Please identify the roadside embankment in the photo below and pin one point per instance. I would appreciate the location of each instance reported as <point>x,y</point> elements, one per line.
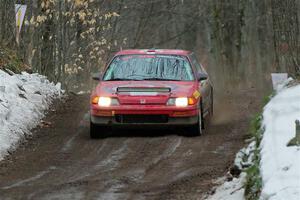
<point>23,100</point>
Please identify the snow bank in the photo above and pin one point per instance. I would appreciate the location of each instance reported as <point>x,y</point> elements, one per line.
<point>234,189</point>
<point>280,165</point>
<point>23,100</point>
<point>245,157</point>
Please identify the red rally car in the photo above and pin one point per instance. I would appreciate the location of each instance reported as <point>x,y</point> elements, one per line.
<point>151,88</point>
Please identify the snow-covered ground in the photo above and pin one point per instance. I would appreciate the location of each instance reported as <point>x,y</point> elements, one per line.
<point>280,164</point>
<point>23,100</point>
<point>234,189</point>
<point>231,190</point>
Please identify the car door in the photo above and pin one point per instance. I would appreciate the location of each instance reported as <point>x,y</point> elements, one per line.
<point>204,85</point>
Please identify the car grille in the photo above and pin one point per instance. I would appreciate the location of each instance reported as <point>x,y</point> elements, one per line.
<point>141,119</point>
<point>141,89</point>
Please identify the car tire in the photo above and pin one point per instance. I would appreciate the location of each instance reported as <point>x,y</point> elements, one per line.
<point>97,132</point>
<point>94,131</point>
<point>196,129</point>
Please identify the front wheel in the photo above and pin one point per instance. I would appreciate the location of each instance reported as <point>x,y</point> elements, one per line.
<point>196,129</point>
<point>97,132</point>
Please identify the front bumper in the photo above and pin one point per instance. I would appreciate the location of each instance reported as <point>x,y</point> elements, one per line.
<point>145,115</point>
<point>172,121</point>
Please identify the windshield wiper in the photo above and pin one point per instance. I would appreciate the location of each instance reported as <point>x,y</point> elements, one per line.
<point>123,79</point>
<point>160,79</point>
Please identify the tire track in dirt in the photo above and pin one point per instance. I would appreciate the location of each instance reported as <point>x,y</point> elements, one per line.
<point>132,164</point>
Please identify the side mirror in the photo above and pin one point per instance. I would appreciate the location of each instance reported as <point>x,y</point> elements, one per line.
<point>96,76</point>
<point>202,76</point>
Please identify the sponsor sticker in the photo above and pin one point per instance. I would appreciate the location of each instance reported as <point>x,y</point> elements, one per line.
<point>196,94</point>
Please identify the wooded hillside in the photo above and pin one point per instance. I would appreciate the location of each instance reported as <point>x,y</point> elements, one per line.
<point>239,41</point>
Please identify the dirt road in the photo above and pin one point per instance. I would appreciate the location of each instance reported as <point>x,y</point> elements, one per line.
<point>62,162</point>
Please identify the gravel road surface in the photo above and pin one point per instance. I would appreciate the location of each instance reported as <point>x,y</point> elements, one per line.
<point>60,161</point>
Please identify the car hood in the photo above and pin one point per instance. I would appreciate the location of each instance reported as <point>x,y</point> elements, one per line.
<point>173,88</point>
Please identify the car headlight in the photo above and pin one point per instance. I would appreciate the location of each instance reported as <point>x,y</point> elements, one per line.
<point>181,101</point>
<point>105,101</point>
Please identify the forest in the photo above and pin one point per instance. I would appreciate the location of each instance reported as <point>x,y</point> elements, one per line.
<point>240,42</point>
<point>230,133</point>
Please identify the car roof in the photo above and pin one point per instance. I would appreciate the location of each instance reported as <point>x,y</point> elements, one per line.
<point>154,51</point>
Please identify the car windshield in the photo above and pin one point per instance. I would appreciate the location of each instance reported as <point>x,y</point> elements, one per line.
<point>149,67</point>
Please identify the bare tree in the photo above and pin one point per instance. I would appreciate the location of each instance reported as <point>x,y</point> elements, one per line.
<point>286,35</point>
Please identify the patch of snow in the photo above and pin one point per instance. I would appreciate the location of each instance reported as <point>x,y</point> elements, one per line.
<point>23,100</point>
<point>113,191</point>
<point>244,158</point>
<point>168,152</point>
<point>26,181</point>
<point>231,190</point>
<point>234,189</point>
<point>283,85</point>
<point>83,92</point>
<point>113,158</point>
<point>280,165</point>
